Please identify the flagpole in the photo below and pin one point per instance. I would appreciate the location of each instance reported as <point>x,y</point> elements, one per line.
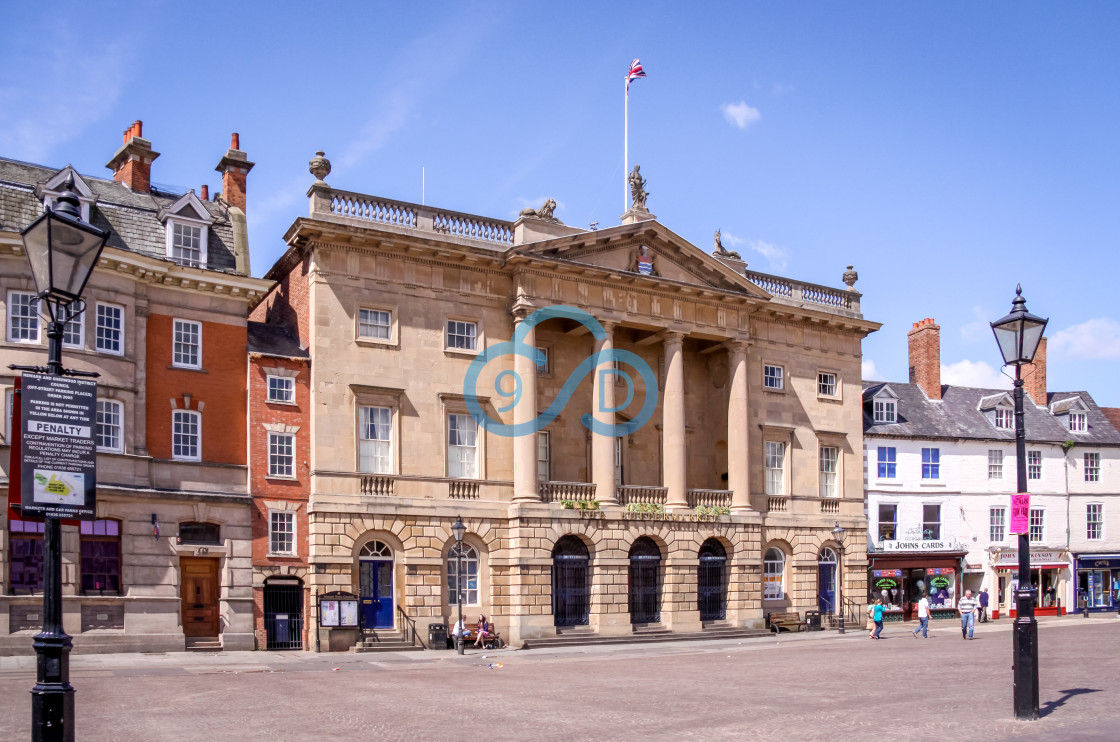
<point>626,148</point>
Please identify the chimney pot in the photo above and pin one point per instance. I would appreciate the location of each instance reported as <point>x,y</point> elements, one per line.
<point>235,141</point>
<point>132,164</point>
<point>138,125</point>
<point>925,357</point>
<point>205,192</point>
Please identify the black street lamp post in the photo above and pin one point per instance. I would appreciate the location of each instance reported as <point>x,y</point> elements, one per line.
<point>838,534</point>
<point>62,250</point>
<point>459,530</point>
<point>1019,335</point>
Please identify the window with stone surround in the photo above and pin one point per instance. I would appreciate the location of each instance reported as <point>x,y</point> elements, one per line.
<point>110,426</point>
<point>186,349</point>
<point>186,435</point>
<point>110,329</point>
<point>544,456</point>
<point>461,335</point>
<point>281,389</point>
<point>23,317</point>
<point>377,325</point>
<point>74,332</point>
<point>281,455</point>
<point>773,575</point>
<point>773,377</point>
<point>25,545</point>
<point>281,532</point>
<point>467,582</point>
<point>375,453</point>
<point>775,467</point>
<point>827,384</point>
<point>462,447</point>
<point>100,557</point>
<point>829,466</point>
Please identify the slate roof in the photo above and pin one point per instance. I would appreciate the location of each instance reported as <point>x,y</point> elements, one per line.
<point>274,340</point>
<point>129,217</point>
<point>957,416</point>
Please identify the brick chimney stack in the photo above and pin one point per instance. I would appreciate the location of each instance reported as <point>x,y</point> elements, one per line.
<point>1034,376</point>
<point>234,167</point>
<point>205,192</point>
<point>132,163</point>
<point>925,357</point>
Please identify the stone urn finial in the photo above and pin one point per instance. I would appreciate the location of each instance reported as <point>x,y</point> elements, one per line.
<point>850,278</point>
<point>319,166</point>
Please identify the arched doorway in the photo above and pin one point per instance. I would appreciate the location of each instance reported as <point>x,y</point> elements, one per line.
<point>283,613</point>
<point>571,582</point>
<point>711,581</point>
<point>826,582</point>
<point>375,586</point>
<point>645,581</point>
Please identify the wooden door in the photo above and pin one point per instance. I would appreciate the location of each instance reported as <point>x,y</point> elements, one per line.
<point>199,592</point>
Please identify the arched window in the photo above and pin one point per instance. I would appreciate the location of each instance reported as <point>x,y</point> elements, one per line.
<point>467,581</point>
<point>828,556</point>
<point>645,581</point>
<point>571,582</point>
<point>712,581</point>
<point>376,549</point>
<point>100,542</point>
<point>773,575</point>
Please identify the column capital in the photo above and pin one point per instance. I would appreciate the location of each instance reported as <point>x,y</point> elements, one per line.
<point>672,337</point>
<point>608,325</point>
<point>738,346</point>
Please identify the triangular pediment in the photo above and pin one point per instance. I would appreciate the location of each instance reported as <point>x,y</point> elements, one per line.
<point>54,184</point>
<point>187,207</point>
<point>648,250</point>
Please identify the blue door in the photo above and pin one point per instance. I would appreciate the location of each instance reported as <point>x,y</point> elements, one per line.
<point>826,588</point>
<point>376,594</point>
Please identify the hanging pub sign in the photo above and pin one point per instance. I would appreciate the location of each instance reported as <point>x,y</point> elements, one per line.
<point>58,453</point>
<point>1020,513</point>
<point>338,610</point>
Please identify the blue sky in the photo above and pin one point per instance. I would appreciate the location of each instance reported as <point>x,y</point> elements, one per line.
<point>948,150</point>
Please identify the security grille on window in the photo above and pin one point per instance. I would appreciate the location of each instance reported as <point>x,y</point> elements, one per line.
<point>1078,422</point>
<point>829,459</point>
<point>187,346</point>
<point>997,525</point>
<point>931,522</point>
<point>887,462</point>
<point>1094,521</point>
<point>109,419</point>
<point>462,447</point>
<point>462,335</point>
<point>931,463</point>
<point>773,575</point>
<point>110,329</point>
<point>885,410</point>
<point>281,532</point>
<point>826,384</point>
<point>467,582</point>
<point>376,324</point>
<point>1092,467</point>
<point>281,389</point>
<point>772,377</point>
<point>186,245</point>
<point>1037,524</point>
<point>543,457</point>
<point>888,522</point>
<point>1034,464</point>
<point>995,464</point>
<point>775,468</point>
<point>185,435</point>
<point>281,455</point>
<point>23,317</point>
<point>374,450</point>
<point>72,333</point>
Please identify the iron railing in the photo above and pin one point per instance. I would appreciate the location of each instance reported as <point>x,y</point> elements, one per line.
<point>408,629</point>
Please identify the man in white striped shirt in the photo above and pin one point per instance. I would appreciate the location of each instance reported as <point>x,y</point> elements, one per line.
<point>966,609</point>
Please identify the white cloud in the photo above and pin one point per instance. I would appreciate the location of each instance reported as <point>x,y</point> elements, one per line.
<point>870,373</point>
<point>782,88</point>
<point>979,329</point>
<point>777,256</point>
<point>977,374</point>
<point>740,114</point>
<point>1094,339</point>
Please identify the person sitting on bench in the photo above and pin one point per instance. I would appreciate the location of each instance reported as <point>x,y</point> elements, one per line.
<point>482,631</point>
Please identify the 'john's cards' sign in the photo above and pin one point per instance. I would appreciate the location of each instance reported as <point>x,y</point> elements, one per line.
<point>58,454</point>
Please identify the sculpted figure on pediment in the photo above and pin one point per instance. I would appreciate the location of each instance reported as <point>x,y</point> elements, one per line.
<point>723,252</point>
<point>644,261</point>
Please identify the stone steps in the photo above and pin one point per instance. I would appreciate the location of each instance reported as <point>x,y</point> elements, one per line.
<point>203,644</point>
<point>646,634</point>
<point>385,641</point>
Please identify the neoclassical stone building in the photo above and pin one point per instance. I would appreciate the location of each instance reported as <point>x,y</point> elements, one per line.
<point>737,394</point>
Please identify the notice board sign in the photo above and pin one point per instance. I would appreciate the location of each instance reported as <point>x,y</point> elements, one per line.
<point>1020,513</point>
<point>58,453</point>
<point>338,610</point>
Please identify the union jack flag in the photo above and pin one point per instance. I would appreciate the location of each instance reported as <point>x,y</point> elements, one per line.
<point>635,72</point>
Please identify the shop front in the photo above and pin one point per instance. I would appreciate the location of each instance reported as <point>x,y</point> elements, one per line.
<point>901,578</point>
<point>1049,577</point>
<point>1098,581</point>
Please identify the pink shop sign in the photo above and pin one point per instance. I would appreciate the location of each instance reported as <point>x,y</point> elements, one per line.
<point>1020,513</point>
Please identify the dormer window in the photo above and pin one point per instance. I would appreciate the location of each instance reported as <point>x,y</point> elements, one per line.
<point>1076,414</point>
<point>1078,422</point>
<point>886,410</point>
<point>48,192</point>
<point>188,227</point>
<point>1004,418</point>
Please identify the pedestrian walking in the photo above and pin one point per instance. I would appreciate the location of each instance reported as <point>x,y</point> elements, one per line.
<point>923,618</point>
<point>984,605</point>
<point>966,609</point>
<point>875,613</point>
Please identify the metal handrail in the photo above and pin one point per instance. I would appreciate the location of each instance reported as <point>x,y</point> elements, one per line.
<point>409,627</point>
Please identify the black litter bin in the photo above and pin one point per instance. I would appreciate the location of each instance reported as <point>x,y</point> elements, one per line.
<point>813,621</point>
<point>437,636</point>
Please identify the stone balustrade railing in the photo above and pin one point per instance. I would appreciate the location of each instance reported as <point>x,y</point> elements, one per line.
<point>557,491</point>
<point>377,485</point>
<point>800,292</point>
<point>463,489</point>
<point>633,493</point>
<point>708,498</point>
<point>831,505</point>
<point>777,504</point>
<point>384,211</point>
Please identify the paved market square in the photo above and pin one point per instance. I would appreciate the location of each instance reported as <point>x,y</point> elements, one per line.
<point>816,686</point>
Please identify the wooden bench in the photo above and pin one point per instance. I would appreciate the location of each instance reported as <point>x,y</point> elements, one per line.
<point>788,621</point>
<point>493,641</point>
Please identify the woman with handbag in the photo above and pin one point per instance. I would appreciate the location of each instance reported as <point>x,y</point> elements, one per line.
<point>875,619</point>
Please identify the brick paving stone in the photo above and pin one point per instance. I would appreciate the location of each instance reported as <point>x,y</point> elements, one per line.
<point>802,687</point>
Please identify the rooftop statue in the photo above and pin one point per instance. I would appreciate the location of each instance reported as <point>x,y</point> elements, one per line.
<point>723,252</point>
<point>638,191</point>
<point>544,212</point>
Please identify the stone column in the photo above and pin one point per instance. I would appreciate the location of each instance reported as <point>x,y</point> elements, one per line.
<point>675,463</point>
<point>738,431</point>
<point>602,407</point>
<point>525,485</point>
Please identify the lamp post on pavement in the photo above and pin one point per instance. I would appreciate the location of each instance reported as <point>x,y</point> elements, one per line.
<point>838,534</point>
<point>1019,335</point>
<point>459,530</point>
<point>62,250</point>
